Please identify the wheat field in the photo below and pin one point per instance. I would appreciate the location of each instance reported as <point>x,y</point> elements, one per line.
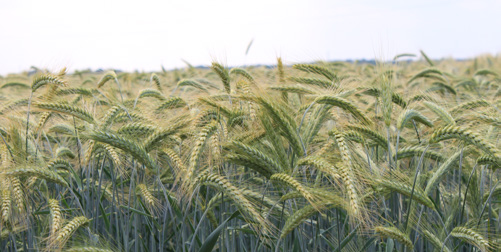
<point>331,156</point>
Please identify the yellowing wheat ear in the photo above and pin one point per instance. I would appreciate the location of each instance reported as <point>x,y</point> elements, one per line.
<point>347,175</point>
<point>17,192</point>
<point>6,206</point>
<point>56,216</point>
<point>67,231</point>
<point>148,198</point>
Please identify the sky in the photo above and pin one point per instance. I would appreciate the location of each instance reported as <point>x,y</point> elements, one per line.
<point>145,35</point>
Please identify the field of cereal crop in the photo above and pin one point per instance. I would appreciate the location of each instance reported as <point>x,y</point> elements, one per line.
<point>330,156</point>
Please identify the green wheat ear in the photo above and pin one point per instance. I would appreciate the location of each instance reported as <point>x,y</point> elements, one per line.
<point>398,56</point>
<point>281,78</point>
<point>395,98</point>
<point>386,97</point>
<point>293,89</point>
<point>441,112</point>
<point>454,132</point>
<point>312,81</point>
<point>111,75</point>
<point>417,151</point>
<point>192,83</point>
<point>299,216</point>
<point>485,72</point>
<point>45,79</point>
<point>223,73</point>
<point>345,105</point>
<point>426,58</point>
<point>430,73</point>
<point>394,233</point>
<point>154,78</point>
<point>441,86</point>
<point>411,114</point>
<point>470,105</point>
<point>15,84</point>
<point>67,109</point>
<point>243,73</point>
<point>148,92</point>
<point>136,150</point>
<point>316,70</point>
<point>471,236</point>
<point>171,103</point>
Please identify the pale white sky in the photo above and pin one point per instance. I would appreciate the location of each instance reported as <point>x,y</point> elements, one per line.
<point>146,34</point>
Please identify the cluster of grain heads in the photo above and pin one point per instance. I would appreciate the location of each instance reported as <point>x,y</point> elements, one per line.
<point>309,157</point>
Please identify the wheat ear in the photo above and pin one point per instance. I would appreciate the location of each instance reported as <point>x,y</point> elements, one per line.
<point>67,231</point>
<point>443,169</point>
<point>347,174</point>
<point>154,78</point>
<point>406,189</point>
<point>223,73</point>
<point>441,112</point>
<point>394,233</point>
<point>470,137</point>
<point>413,151</point>
<point>410,114</point>
<point>88,249</point>
<point>6,205</point>
<point>299,216</point>
<point>343,104</point>
<point>67,109</point>
<point>45,79</point>
<point>56,216</point>
<point>17,191</point>
<point>470,236</point>
<point>111,75</point>
<point>235,194</point>
<point>206,132</point>
<point>293,183</point>
<point>39,173</point>
<point>136,150</point>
